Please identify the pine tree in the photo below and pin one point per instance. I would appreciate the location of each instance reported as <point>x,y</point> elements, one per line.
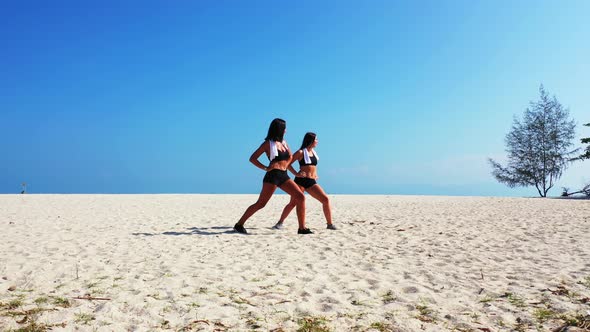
<point>538,146</point>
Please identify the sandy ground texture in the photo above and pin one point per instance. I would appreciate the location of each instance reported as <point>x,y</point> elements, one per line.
<point>396,263</point>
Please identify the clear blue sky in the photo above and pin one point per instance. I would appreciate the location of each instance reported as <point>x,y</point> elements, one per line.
<point>407,97</point>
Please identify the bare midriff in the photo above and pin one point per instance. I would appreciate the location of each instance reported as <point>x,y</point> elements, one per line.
<point>282,165</point>
<point>309,171</point>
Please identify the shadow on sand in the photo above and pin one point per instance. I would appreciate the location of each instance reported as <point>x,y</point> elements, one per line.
<point>194,231</point>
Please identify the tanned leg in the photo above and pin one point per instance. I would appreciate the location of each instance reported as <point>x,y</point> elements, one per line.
<point>289,207</point>
<point>267,190</point>
<point>291,188</point>
<point>318,193</point>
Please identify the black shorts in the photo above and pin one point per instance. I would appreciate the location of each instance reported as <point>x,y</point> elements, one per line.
<point>305,182</point>
<point>276,177</point>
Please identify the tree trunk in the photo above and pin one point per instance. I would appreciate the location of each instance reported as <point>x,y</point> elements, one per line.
<point>539,190</point>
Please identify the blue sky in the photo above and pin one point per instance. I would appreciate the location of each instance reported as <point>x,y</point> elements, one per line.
<point>407,97</point>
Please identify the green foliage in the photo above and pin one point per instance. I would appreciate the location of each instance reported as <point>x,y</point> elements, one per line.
<point>516,300</point>
<point>486,299</point>
<point>543,314</point>
<point>41,300</point>
<point>586,140</point>
<point>576,319</point>
<point>16,303</point>
<point>538,146</point>
<point>425,313</point>
<point>33,327</point>
<point>382,327</point>
<point>312,324</point>
<point>388,297</point>
<point>62,302</point>
<point>84,318</point>
<point>358,303</point>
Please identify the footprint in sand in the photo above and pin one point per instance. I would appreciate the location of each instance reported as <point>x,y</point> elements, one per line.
<point>374,284</point>
<point>330,300</point>
<point>334,278</point>
<point>326,307</point>
<point>318,291</point>
<point>410,290</point>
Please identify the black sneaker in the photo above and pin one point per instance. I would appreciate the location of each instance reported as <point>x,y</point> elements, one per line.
<point>332,227</point>
<point>240,229</point>
<point>304,231</point>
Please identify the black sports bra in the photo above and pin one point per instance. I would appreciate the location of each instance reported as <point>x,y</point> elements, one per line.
<point>281,156</point>
<point>313,159</point>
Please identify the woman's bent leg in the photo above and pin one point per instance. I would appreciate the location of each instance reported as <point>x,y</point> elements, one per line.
<point>291,188</point>
<point>289,207</point>
<point>318,193</point>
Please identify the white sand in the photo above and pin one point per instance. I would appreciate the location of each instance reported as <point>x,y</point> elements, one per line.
<point>173,262</point>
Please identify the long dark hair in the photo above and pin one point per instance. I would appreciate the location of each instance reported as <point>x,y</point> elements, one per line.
<point>308,140</point>
<point>276,130</point>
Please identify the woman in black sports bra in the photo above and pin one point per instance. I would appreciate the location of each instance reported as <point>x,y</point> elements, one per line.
<point>306,179</point>
<point>279,154</point>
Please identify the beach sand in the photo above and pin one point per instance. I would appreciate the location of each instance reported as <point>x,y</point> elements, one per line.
<point>397,263</point>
